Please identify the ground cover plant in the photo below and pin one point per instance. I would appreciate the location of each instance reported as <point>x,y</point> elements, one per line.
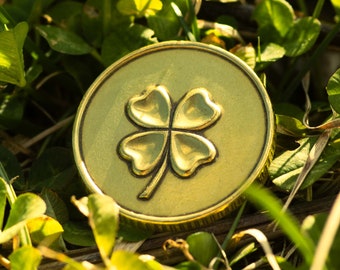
<point>51,51</point>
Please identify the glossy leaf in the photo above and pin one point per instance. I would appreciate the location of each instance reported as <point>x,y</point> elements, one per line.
<point>271,52</point>
<point>290,125</point>
<point>333,91</point>
<point>64,41</point>
<point>45,229</point>
<point>25,258</point>
<point>274,17</point>
<point>301,36</point>
<point>11,56</point>
<point>27,206</point>
<point>285,169</point>
<point>103,219</point>
<point>203,247</point>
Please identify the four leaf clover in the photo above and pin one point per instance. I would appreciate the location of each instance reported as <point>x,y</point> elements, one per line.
<point>170,135</point>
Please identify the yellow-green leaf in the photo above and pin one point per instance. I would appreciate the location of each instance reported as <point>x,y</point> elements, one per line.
<point>103,219</point>
<point>25,258</point>
<point>45,229</point>
<point>11,56</point>
<point>139,8</point>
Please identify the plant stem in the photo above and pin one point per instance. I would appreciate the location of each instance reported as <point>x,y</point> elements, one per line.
<point>106,16</point>
<point>150,188</point>
<point>230,233</point>
<point>180,17</point>
<point>318,8</point>
<point>11,196</point>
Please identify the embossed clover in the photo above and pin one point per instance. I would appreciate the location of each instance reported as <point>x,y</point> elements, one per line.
<point>170,135</point>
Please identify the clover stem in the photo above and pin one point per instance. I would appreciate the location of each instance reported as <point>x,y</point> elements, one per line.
<point>150,188</point>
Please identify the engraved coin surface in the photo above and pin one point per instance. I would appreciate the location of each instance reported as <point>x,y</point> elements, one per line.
<point>174,133</point>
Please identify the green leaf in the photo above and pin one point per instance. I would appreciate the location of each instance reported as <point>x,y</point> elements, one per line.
<point>125,40</point>
<point>302,36</point>
<point>12,110</point>
<point>189,266</point>
<point>67,14</point>
<point>79,234</point>
<point>25,258</point>
<point>285,169</point>
<point>83,69</point>
<point>103,219</point>
<point>165,23</point>
<point>271,52</point>
<point>290,125</point>
<point>45,229</point>
<point>54,169</point>
<point>133,234</point>
<point>139,8</point>
<point>12,167</point>
<point>27,206</point>
<point>124,260</point>
<point>203,247</point>
<point>64,41</point>
<point>336,5</point>
<point>94,21</point>
<point>333,91</point>
<point>11,56</point>
<point>56,207</point>
<point>274,17</point>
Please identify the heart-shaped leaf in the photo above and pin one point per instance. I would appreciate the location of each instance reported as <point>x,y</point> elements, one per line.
<point>188,151</point>
<point>144,149</point>
<point>151,108</point>
<point>196,110</point>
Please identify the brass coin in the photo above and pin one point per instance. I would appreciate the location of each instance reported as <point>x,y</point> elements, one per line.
<point>174,133</point>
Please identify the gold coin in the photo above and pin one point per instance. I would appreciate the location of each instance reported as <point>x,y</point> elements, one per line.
<point>174,133</point>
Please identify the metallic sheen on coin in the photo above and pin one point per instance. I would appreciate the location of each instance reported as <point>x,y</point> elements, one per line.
<point>174,133</point>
